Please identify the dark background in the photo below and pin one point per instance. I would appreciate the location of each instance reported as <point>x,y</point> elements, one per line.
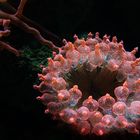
<point>22,116</point>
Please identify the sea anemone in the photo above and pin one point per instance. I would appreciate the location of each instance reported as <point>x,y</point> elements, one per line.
<point>93,84</point>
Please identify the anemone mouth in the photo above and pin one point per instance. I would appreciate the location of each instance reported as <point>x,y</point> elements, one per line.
<point>93,85</point>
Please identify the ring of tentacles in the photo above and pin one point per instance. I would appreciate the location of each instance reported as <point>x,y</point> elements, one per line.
<point>93,84</point>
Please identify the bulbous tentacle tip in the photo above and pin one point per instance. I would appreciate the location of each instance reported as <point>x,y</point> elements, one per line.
<point>46,111</point>
<point>134,51</point>
<point>90,97</point>
<point>35,86</point>
<point>90,35</point>
<point>64,41</point>
<point>97,34</point>
<point>75,37</point>
<point>105,37</point>
<point>83,43</point>
<point>71,120</point>
<point>38,98</point>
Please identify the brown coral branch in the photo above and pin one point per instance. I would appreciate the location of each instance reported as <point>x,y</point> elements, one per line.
<point>20,8</point>
<point>8,8</point>
<point>6,46</point>
<point>19,23</point>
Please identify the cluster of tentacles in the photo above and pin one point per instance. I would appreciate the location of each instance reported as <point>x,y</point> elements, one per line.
<point>94,85</point>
